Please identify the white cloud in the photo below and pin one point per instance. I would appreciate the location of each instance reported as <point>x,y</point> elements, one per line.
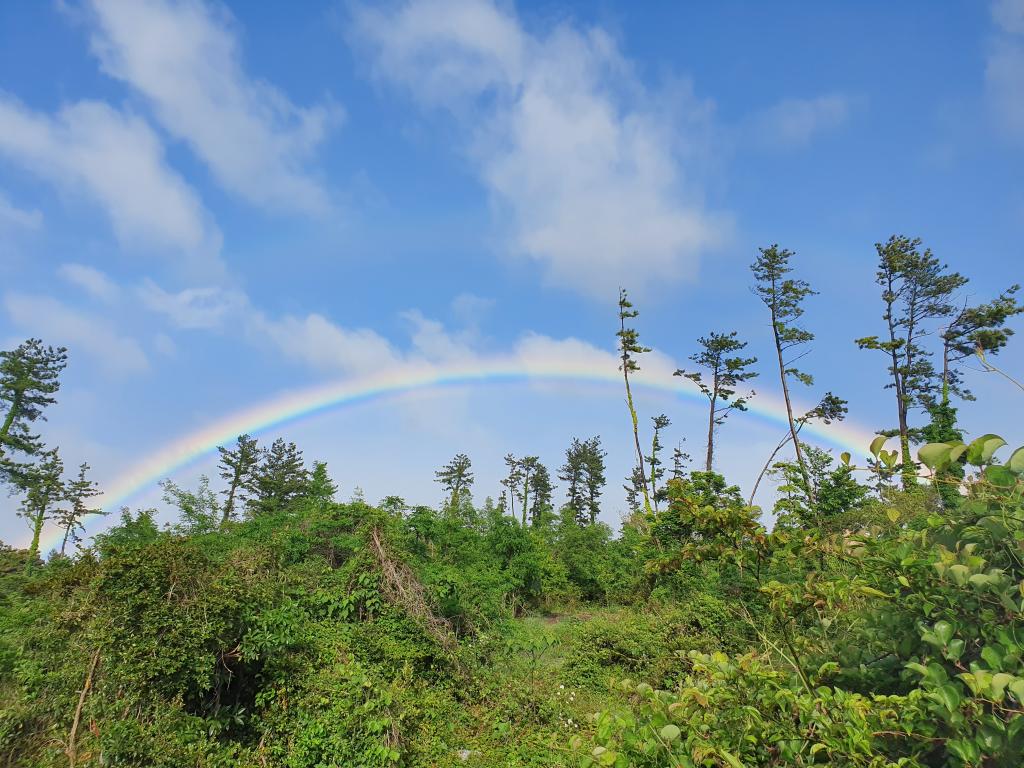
<point>48,318</point>
<point>184,58</point>
<point>89,279</point>
<point>11,215</point>
<point>315,341</point>
<point>470,309</point>
<point>117,160</point>
<point>794,122</point>
<point>1009,15</point>
<point>431,340</point>
<point>1004,71</point>
<point>579,157</point>
<point>191,308</point>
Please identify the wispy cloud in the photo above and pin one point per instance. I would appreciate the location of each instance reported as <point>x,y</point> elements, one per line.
<point>585,164</point>
<point>11,215</point>
<point>82,332</point>
<point>191,308</point>
<point>118,161</point>
<point>795,122</point>
<point>184,58</point>
<point>1004,71</point>
<point>91,280</point>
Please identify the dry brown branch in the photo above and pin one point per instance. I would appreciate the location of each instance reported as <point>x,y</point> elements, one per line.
<point>403,588</point>
<point>73,736</point>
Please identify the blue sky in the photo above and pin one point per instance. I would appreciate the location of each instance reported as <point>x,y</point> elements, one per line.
<point>212,203</point>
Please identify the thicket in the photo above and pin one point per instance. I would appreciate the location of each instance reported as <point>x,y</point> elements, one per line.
<point>879,622</point>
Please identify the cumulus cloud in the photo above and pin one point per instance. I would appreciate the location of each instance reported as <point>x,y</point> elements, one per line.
<point>116,159</point>
<point>91,280</point>
<point>572,148</point>
<point>1004,71</point>
<point>794,122</point>
<point>11,215</point>
<point>323,345</point>
<point>184,58</point>
<point>82,332</point>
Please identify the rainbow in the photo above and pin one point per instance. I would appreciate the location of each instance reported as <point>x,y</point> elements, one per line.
<point>303,403</point>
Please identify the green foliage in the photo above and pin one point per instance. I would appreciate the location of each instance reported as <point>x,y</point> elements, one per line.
<point>725,374</point>
<point>29,379</point>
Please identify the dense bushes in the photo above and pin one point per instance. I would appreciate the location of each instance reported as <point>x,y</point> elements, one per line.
<point>900,643</point>
<point>324,634</point>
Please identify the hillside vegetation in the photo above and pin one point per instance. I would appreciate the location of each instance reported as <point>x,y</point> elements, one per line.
<point>878,622</point>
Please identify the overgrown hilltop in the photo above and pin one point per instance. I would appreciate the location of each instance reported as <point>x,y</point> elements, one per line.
<point>878,623</point>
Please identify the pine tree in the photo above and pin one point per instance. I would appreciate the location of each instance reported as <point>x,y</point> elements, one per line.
<point>29,378</point>
<point>43,488</point>
<point>456,478</point>
<point>629,349</point>
<point>542,491</point>
<point>572,473</point>
<point>593,476</point>
<point>660,422</point>
<point>784,297</point>
<point>76,494</point>
<point>512,481</point>
<point>973,330</point>
<point>527,465</point>
<point>916,291</point>
<point>725,373</point>
<point>321,489</point>
<point>236,467</point>
<point>634,490</point>
<point>680,459</point>
<point>279,479</point>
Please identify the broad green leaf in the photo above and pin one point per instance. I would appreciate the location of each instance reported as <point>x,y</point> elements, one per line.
<point>944,631</point>
<point>998,685</point>
<point>934,455</point>
<point>1000,476</point>
<point>670,732</point>
<point>1017,689</point>
<point>981,449</point>
<point>957,451</point>
<point>1016,461</point>
<point>876,445</point>
<point>949,696</point>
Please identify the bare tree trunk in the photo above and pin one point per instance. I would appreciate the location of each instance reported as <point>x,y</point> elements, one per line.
<point>229,505</point>
<point>789,412</point>
<point>5,429</point>
<point>768,463</point>
<point>636,425</point>
<point>711,434</point>
<point>71,750</point>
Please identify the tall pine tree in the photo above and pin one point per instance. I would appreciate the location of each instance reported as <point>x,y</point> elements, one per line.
<point>69,516</point>
<point>784,297</point>
<point>917,291</point>
<point>629,350</point>
<point>236,467</point>
<point>279,479</point>
<point>725,373</point>
<point>456,478</point>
